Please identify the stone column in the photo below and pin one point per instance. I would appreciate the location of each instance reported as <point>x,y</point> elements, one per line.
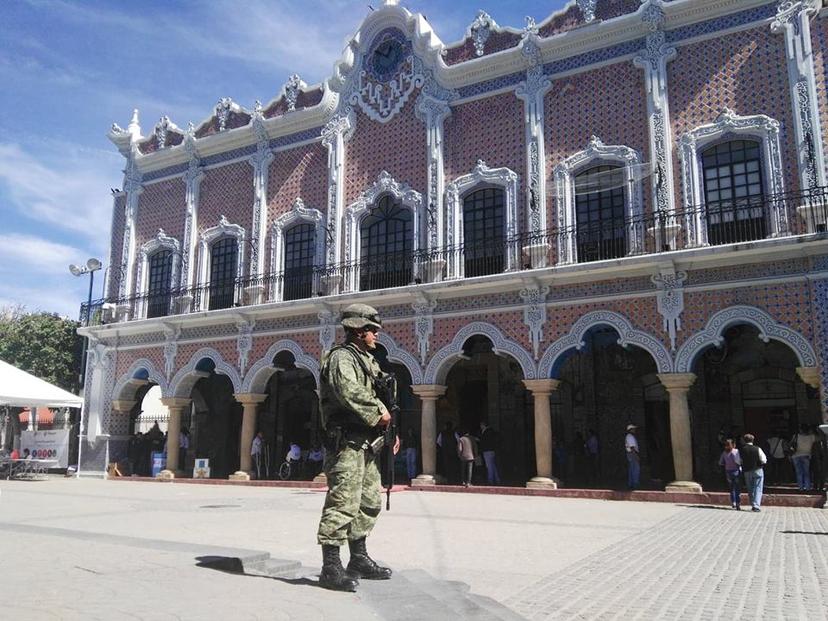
<point>175,405</point>
<point>677,385</point>
<point>428,394</point>
<point>541,389</point>
<point>250,402</point>
<point>809,375</point>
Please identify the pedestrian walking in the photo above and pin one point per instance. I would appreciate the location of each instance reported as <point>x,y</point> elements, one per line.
<point>489,443</point>
<point>802,444</point>
<point>352,415</point>
<point>256,453</point>
<point>633,457</point>
<point>732,463</point>
<point>753,461</point>
<point>466,452</point>
<point>819,453</point>
<point>776,459</point>
<point>447,443</point>
<point>410,446</point>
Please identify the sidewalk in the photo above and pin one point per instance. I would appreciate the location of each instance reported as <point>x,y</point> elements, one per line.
<point>94,549</point>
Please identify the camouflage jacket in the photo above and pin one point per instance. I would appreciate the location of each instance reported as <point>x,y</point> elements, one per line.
<point>346,393</point>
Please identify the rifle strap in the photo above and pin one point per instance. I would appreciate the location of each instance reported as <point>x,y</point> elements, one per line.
<point>358,359</point>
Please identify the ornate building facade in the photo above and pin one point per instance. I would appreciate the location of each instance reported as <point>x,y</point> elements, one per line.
<point>616,215</point>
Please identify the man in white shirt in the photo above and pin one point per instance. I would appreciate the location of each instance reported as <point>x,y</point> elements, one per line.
<point>256,453</point>
<point>633,457</point>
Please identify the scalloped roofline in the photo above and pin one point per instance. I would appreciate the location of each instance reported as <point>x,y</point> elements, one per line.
<point>429,47</point>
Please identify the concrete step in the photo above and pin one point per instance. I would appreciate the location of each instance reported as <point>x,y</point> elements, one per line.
<point>415,594</point>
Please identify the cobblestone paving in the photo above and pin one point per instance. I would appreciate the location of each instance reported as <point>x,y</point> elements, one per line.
<point>703,563</point>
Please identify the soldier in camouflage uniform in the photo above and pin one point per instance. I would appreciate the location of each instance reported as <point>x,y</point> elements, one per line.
<point>352,416</point>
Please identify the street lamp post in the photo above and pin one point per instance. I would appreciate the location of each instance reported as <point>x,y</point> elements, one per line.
<point>92,266</point>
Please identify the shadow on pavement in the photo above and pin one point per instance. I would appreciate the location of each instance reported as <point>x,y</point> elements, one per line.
<point>235,565</point>
<point>802,532</point>
<point>715,507</point>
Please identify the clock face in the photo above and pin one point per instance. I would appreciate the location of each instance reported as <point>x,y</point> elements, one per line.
<point>387,57</point>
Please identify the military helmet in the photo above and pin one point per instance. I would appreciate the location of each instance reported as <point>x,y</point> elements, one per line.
<point>359,316</point>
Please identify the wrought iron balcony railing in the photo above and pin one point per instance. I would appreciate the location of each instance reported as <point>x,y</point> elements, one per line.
<point>725,222</point>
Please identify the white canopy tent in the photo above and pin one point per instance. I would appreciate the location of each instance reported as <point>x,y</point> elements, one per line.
<point>21,389</point>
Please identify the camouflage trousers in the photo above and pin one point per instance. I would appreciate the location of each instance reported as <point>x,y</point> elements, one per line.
<point>354,499</point>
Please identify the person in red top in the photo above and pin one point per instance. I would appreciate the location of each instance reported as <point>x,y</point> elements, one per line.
<point>15,454</point>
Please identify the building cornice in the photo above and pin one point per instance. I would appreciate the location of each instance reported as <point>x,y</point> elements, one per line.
<point>584,39</point>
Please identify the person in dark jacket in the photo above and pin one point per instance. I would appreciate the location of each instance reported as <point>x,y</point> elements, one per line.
<point>488,446</point>
<point>753,462</point>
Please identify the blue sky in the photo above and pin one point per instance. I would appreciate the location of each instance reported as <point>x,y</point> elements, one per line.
<point>69,69</point>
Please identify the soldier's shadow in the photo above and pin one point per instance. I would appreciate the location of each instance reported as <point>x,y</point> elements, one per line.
<point>234,565</point>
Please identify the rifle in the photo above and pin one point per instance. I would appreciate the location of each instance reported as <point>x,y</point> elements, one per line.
<point>385,387</point>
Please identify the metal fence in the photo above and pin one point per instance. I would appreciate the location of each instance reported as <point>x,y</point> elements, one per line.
<point>724,222</point>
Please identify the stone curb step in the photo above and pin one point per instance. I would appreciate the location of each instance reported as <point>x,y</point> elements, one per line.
<point>771,499</point>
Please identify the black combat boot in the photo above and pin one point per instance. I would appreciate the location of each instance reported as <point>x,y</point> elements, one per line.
<point>363,566</point>
<point>334,576</point>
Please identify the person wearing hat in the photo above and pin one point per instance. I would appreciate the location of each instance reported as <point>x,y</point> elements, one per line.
<point>633,457</point>
<point>352,415</point>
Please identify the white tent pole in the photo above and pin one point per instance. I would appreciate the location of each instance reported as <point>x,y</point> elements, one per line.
<point>80,436</point>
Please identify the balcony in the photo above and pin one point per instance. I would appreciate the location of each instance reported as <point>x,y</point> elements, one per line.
<point>731,222</point>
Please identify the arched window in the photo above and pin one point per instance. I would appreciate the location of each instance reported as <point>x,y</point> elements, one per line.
<point>300,242</point>
<point>159,280</point>
<point>483,232</point>
<point>224,255</point>
<point>733,192</point>
<point>386,246</point>
<point>599,213</point>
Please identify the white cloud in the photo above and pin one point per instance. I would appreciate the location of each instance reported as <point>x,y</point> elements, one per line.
<point>36,254</point>
<point>34,272</point>
<point>71,193</point>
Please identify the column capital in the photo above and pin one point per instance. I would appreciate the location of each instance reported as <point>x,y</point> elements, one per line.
<point>679,382</point>
<point>123,405</point>
<point>249,398</point>
<point>429,391</point>
<point>541,386</point>
<point>175,402</point>
<point>809,375</point>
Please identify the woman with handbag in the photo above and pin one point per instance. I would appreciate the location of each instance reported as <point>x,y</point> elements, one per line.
<point>801,444</point>
<point>732,462</point>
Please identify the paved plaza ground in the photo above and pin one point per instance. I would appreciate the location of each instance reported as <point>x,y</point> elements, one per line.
<point>89,549</point>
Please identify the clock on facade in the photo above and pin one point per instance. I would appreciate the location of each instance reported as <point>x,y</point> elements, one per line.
<point>387,57</point>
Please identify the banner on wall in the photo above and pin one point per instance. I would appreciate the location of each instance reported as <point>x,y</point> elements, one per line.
<point>50,444</point>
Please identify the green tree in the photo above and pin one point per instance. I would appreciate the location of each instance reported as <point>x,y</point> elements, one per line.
<point>43,344</point>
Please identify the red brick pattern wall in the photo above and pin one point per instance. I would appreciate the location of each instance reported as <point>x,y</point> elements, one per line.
<point>398,146</point>
<point>128,357</point>
<point>161,205</point>
<point>744,71</point>
<point>296,173</point>
<point>610,103</point>
<point>228,191</point>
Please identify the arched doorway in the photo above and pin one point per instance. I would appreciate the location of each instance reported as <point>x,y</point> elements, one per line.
<point>603,388</point>
<point>214,420</point>
<point>485,387</point>
<point>747,385</point>
<point>148,420</point>
<point>289,414</point>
